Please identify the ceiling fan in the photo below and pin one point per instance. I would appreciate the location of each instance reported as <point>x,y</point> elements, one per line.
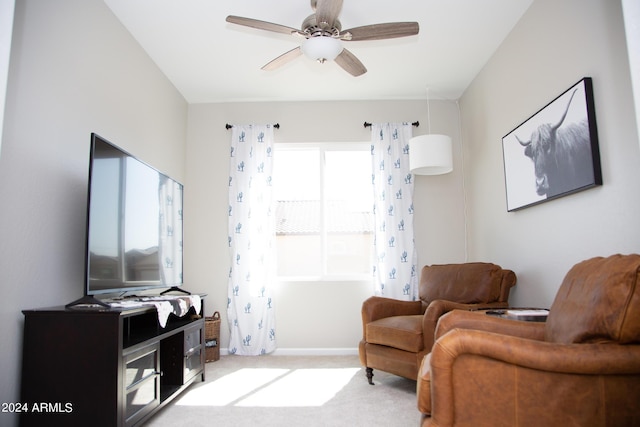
<point>323,35</point>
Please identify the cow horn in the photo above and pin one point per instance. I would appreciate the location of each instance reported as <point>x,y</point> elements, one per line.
<point>523,143</point>
<point>566,110</point>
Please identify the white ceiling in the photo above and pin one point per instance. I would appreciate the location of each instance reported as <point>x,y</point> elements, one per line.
<point>209,60</point>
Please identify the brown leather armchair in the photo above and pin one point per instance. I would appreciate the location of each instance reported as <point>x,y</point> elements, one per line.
<point>398,334</point>
<point>580,368</point>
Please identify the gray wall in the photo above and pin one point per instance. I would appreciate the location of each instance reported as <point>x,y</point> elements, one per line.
<point>553,46</point>
<point>74,70</point>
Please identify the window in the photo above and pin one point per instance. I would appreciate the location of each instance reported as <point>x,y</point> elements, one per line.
<point>324,223</point>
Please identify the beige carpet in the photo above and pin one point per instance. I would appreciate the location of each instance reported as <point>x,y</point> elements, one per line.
<point>268,391</point>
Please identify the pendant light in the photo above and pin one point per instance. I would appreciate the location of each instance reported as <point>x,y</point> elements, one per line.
<point>430,154</point>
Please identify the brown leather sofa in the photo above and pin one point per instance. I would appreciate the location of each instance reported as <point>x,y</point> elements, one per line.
<point>398,334</point>
<point>580,368</point>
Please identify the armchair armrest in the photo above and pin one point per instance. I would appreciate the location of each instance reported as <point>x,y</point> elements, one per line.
<point>440,307</point>
<point>581,359</point>
<point>375,308</point>
<point>482,322</point>
<point>517,381</point>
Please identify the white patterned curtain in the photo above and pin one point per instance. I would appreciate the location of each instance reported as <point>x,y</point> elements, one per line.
<point>170,231</point>
<point>395,273</point>
<point>251,241</point>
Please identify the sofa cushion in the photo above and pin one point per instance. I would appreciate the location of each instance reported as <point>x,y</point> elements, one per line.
<point>470,283</point>
<point>598,301</point>
<point>403,332</point>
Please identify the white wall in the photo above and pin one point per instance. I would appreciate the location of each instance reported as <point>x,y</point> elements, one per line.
<point>553,46</point>
<point>74,70</point>
<point>310,315</point>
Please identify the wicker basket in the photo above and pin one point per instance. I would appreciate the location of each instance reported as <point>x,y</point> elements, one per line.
<point>212,337</point>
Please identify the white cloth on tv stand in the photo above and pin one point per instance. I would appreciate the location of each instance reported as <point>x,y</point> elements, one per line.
<point>165,305</point>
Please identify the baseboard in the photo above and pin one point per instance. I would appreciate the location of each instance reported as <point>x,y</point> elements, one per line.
<point>308,352</point>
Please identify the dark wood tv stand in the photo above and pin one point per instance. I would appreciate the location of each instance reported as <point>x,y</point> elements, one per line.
<point>112,367</point>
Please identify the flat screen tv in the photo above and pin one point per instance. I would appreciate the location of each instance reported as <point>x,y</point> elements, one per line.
<point>134,225</point>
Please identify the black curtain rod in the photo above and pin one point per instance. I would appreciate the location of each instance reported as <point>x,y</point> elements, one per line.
<point>228,126</point>
<point>416,124</point>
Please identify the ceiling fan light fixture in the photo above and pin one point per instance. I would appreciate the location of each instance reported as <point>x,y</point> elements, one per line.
<point>322,48</point>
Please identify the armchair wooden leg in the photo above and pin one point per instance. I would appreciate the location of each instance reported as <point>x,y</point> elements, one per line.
<point>369,372</point>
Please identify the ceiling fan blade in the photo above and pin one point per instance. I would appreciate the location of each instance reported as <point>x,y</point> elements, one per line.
<point>327,12</point>
<point>350,63</point>
<point>261,25</point>
<point>283,59</point>
<point>389,30</point>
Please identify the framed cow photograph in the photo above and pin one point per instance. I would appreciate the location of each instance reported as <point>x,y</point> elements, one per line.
<point>554,152</point>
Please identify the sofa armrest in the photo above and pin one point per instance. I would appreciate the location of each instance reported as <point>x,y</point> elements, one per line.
<point>503,379</point>
<point>374,308</point>
<point>482,322</point>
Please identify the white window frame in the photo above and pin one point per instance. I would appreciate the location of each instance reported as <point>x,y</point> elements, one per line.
<point>323,147</point>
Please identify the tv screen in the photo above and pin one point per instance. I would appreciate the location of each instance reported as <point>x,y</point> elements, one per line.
<point>134,224</point>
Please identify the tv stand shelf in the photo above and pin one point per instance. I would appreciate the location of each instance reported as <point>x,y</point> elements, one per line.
<point>106,366</point>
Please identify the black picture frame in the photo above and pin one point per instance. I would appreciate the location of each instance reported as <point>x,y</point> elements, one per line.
<point>555,152</point>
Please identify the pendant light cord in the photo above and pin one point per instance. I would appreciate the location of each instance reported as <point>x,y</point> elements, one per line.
<point>428,114</point>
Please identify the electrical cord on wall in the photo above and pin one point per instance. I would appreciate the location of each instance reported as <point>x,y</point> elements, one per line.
<point>464,188</point>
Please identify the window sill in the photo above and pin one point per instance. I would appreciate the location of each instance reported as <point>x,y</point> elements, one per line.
<point>320,279</point>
